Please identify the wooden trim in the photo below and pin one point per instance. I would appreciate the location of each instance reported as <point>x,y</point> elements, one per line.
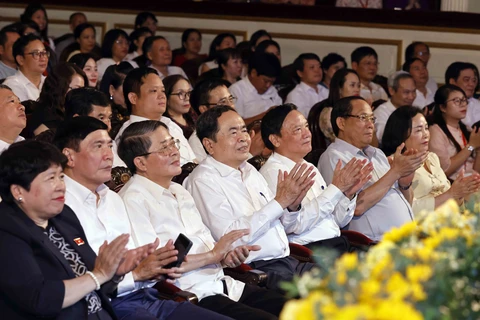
<point>454,46</point>
<point>396,43</point>
<point>242,34</point>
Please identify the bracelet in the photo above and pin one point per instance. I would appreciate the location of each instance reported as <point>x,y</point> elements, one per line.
<point>406,187</point>
<point>94,277</point>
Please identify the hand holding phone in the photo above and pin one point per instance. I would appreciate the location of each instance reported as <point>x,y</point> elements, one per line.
<point>183,246</point>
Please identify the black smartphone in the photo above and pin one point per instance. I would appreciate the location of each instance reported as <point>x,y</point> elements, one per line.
<point>182,245</point>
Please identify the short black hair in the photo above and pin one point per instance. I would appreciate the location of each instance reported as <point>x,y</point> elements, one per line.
<point>135,141</point>
<point>133,81</point>
<point>201,93</point>
<point>341,109</point>
<point>70,19</point>
<point>257,35</point>
<point>337,82</point>
<point>135,34</point>
<point>3,33</point>
<point>299,62</point>
<point>142,17</point>
<point>80,59</point>
<point>362,52</point>
<point>272,122</point>
<point>73,131</point>
<point>82,27</point>
<point>109,39</point>
<point>148,43</point>
<point>217,41</point>
<point>23,161</point>
<point>265,64</point>
<point>410,50</point>
<point>262,46</point>
<point>207,123</point>
<point>332,58</point>
<point>224,55</point>
<point>453,71</point>
<point>19,45</point>
<point>398,128</point>
<point>114,76</point>
<point>408,63</point>
<point>80,101</point>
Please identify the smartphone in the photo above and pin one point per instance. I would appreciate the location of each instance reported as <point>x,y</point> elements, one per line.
<point>182,245</point>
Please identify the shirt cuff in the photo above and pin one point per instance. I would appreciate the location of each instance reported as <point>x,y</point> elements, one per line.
<point>334,194</point>
<point>127,285</point>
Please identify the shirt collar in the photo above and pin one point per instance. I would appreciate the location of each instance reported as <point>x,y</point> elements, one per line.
<point>4,145</point>
<point>153,188</point>
<point>222,168</point>
<point>306,87</point>
<point>82,193</point>
<point>368,151</point>
<point>284,160</point>
<point>25,80</point>
<point>249,85</point>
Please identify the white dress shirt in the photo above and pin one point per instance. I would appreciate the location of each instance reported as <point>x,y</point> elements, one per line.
<point>324,209</point>
<point>249,102</point>
<point>422,101</point>
<point>230,199</point>
<point>186,152</point>
<point>473,113</point>
<point>305,97</point>
<point>393,210</point>
<point>432,85</point>
<point>4,145</point>
<point>373,91</point>
<point>117,162</point>
<point>197,147</point>
<point>23,88</point>
<point>103,221</point>
<point>171,71</point>
<point>164,213</point>
<point>382,112</point>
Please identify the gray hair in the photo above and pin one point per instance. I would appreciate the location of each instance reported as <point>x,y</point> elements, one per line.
<point>394,79</point>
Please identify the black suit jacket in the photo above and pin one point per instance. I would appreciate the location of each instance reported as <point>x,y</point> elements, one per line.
<point>32,269</point>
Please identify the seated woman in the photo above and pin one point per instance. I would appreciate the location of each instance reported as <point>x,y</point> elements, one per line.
<point>178,90</point>
<point>191,47</point>
<point>51,271</point>
<point>87,63</point>
<point>431,187</point>
<point>220,42</point>
<point>85,42</point>
<point>230,65</point>
<point>137,37</point>
<point>114,50</point>
<point>450,139</point>
<point>270,46</point>
<point>331,63</point>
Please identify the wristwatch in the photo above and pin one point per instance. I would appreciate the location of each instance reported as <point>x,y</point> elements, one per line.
<point>470,148</point>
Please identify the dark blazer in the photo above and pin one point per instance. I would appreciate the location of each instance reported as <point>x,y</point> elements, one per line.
<point>32,269</point>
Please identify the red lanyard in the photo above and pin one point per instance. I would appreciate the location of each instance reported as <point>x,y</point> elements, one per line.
<point>464,140</point>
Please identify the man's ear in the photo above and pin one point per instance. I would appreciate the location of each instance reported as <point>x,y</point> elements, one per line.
<point>299,74</point>
<point>275,140</point>
<point>20,60</point>
<point>149,55</point>
<point>132,97</point>
<point>340,123</point>
<point>452,81</point>
<point>391,91</point>
<point>2,49</point>
<point>354,66</point>
<point>139,162</point>
<point>202,108</point>
<point>208,144</point>
<point>70,154</point>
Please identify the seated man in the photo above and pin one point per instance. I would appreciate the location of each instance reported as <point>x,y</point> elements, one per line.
<point>65,40</point>
<point>13,119</point>
<point>92,103</point>
<point>402,91</point>
<point>385,201</point>
<point>309,91</point>
<point>231,194</point>
<point>32,59</point>
<point>325,209</point>
<point>417,68</point>
<point>101,212</point>
<point>8,35</point>
<point>365,62</point>
<point>255,93</point>
<point>146,100</point>
<point>157,207</point>
<point>420,50</point>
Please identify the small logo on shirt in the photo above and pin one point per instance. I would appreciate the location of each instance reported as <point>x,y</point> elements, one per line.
<point>79,241</point>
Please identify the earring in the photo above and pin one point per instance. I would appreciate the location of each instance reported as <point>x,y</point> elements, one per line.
<point>111,97</point>
<point>20,199</point>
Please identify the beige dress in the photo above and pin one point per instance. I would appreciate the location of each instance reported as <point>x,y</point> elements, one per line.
<point>427,185</point>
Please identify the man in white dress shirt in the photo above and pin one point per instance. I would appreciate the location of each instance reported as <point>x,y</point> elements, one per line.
<point>13,119</point>
<point>385,201</point>
<point>402,91</point>
<point>417,68</point>
<point>90,102</point>
<point>8,35</point>
<point>421,51</point>
<point>255,93</point>
<point>365,62</point>
<point>463,75</point>
<point>325,208</point>
<point>309,91</point>
<point>158,207</point>
<point>146,100</point>
<point>101,212</point>
<point>157,50</point>
<point>231,194</point>
<point>32,60</point>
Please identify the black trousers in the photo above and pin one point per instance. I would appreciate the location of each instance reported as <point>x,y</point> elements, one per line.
<point>279,270</point>
<point>255,303</point>
<point>341,244</point>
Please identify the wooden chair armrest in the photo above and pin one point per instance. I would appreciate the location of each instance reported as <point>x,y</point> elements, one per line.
<point>169,291</point>
<point>246,274</point>
<point>301,253</point>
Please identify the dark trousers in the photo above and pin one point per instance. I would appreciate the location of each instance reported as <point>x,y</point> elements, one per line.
<point>255,303</point>
<point>341,244</point>
<point>282,269</point>
<point>145,305</point>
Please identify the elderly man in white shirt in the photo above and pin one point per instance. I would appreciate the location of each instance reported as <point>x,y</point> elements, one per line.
<point>403,92</point>
<point>13,119</point>
<point>157,207</point>
<point>309,91</point>
<point>385,201</point>
<point>158,52</point>
<point>146,100</point>
<point>325,208</point>
<point>86,144</point>
<point>231,194</point>
<point>255,93</point>
<point>32,60</point>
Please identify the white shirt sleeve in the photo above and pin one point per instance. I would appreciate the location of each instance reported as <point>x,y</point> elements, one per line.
<point>240,103</point>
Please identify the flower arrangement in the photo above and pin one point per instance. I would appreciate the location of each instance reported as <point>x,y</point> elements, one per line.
<point>423,270</point>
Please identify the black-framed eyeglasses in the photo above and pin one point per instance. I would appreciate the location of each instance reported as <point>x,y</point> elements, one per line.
<point>182,95</point>
<point>363,117</point>
<point>39,54</point>
<point>166,149</point>
<point>224,101</point>
<point>458,101</point>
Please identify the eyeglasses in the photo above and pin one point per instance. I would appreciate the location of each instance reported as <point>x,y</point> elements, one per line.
<point>224,101</point>
<point>363,117</point>
<point>182,95</point>
<point>458,101</point>
<point>166,149</point>
<point>39,54</point>
<point>423,53</point>
<point>122,42</point>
